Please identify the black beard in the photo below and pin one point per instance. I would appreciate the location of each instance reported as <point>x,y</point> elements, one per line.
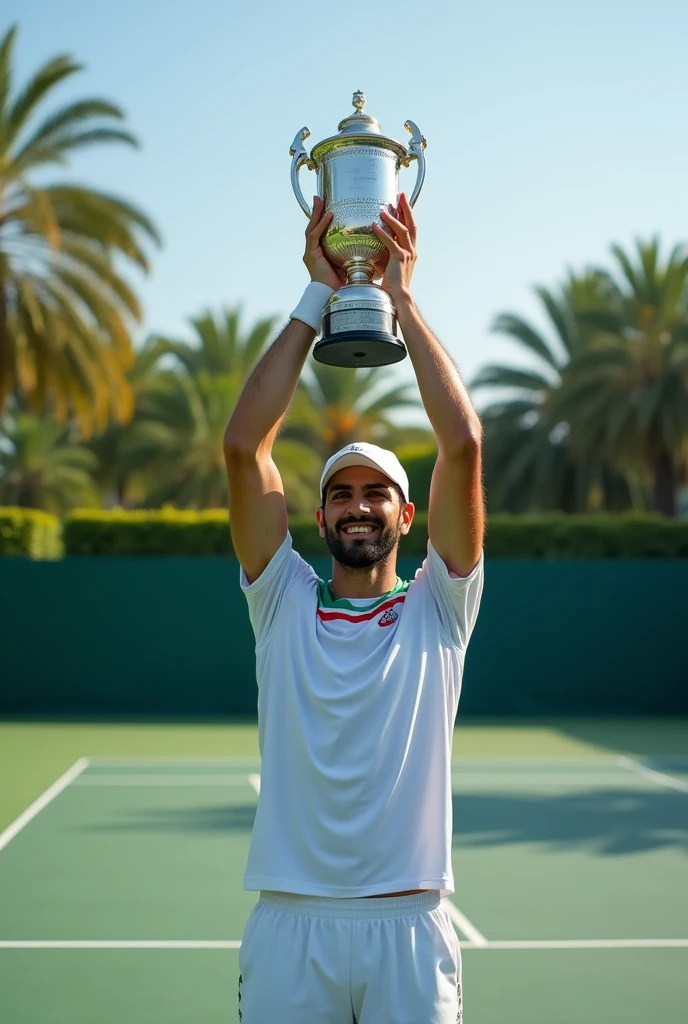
<point>362,553</point>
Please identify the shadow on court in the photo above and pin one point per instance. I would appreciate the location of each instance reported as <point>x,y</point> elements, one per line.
<point>182,820</point>
<point>605,822</point>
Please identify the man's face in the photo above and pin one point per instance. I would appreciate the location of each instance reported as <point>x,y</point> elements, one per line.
<point>363,517</point>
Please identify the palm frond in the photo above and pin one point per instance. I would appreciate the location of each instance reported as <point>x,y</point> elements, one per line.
<point>498,376</point>
<point>626,267</point>
<point>70,116</point>
<point>41,466</point>
<point>45,79</point>
<point>40,153</point>
<point>515,327</point>
<point>35,214</point>
<point>561,316</point>
<point>76,253</point>
<point>6,48</point>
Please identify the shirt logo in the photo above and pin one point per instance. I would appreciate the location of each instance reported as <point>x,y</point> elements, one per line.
<point>388,618</point>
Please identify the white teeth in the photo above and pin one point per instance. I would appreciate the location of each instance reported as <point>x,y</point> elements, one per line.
<point>358,529</point>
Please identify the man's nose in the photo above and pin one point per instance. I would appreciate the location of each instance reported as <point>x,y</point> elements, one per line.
<point>359,507</point>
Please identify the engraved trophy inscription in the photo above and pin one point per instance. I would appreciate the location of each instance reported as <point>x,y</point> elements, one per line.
<point>358,176</point>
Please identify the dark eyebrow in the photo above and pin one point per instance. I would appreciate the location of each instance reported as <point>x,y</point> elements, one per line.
<point>366,487</point>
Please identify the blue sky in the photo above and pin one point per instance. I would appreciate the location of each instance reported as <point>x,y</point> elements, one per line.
<point>554,129</point>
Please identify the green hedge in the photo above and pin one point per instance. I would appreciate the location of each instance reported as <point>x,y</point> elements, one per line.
<point>35,534</point>
<point>171,532</point>
<point>629,535</point>
<point>148,532</point>
<point>29,533</point>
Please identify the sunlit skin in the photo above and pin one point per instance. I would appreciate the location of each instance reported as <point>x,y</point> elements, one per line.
<point>361,496</point>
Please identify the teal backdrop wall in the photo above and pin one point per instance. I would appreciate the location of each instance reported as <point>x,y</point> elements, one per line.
<point>171,636</point>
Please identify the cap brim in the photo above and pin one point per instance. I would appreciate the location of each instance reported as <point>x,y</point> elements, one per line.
<point>356,459</point>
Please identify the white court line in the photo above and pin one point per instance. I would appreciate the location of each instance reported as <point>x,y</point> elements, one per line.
<point>531,770</point>
<point>659,777</point>
<point>536,778</point>
<point>255,782</point>
<point>179,762</point>
<point>532,944</point>
<point>161,780</point>
<point>582,944</point>
<point>460,763</point>
<point>460,920</point>
<point>473,778</point>
<point>533,760</point>
<point>478,761</point>
<point>121,944</point>
<point>498,760</point>
<point>43,800</point>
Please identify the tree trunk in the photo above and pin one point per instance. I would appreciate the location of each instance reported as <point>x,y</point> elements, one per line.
<point>664,485</point>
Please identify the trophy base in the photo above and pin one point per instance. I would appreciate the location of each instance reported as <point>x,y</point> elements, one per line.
<point>359,348</point>
<point>359,328</point>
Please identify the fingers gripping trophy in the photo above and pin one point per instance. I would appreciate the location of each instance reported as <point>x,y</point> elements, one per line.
<point>357,189</point>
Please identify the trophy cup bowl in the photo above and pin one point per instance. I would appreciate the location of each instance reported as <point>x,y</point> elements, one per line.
<point>358,176</point>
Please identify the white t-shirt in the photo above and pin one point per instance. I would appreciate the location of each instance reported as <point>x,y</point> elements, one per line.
<point>356,708</point>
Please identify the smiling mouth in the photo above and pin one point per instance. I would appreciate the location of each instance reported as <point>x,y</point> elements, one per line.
<point>358,529</point>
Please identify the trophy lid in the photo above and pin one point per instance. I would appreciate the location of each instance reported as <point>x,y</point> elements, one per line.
<point>357,128</point>
<point>358,123</point>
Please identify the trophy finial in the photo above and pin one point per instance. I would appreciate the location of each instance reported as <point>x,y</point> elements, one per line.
<point>359,121</point>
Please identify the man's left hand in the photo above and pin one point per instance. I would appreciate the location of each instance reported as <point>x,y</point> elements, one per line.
<point>399,238</point>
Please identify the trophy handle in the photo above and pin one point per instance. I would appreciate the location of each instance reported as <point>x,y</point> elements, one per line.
<point>415,152</point>
<point>300,157</point>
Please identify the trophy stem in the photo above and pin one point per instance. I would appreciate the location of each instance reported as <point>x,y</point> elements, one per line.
<point>359,273</point>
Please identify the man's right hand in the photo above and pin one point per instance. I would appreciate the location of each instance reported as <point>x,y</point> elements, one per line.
<point>319,267</point>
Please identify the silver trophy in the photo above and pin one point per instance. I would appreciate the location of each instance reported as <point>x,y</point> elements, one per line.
<point>358,176</point>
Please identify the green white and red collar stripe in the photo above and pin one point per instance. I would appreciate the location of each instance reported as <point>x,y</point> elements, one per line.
<point>329,608</point>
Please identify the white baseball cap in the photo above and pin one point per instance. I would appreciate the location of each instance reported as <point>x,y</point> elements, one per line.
<point>360,453</point>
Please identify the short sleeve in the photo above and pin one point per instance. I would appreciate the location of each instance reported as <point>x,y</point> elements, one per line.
<point>457,599</point>
<point>285,571</point>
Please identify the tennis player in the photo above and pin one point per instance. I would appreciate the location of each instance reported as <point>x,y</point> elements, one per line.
<point>358,689</point>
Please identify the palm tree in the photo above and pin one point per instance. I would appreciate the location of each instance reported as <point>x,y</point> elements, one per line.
<point>334,406</point>
<point>222,347</point>
<point>173,452</point>
<point>184,396</point>
<point>43,466</point>
<point>65,310</point>
<point>529,462</point>
<point>628,390</point>
<point>112,474</point>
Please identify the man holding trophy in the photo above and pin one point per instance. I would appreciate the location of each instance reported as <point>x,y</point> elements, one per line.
<point>359,677</point>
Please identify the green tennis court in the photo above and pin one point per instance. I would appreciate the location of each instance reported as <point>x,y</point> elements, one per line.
<point>120,873</point>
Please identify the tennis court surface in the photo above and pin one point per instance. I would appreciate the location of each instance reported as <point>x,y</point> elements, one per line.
<point>120,880</point>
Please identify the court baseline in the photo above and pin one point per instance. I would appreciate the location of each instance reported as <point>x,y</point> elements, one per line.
<point>474,939</point>
<point>532,944</point>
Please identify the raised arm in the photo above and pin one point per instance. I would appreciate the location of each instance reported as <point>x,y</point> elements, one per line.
<point>456,518</point>
<point>257,510</point>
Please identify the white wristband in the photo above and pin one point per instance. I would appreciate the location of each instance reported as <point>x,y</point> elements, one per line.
<point>312,304</point>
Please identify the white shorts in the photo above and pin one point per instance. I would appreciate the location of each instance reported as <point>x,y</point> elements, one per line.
<point>393,960</point>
